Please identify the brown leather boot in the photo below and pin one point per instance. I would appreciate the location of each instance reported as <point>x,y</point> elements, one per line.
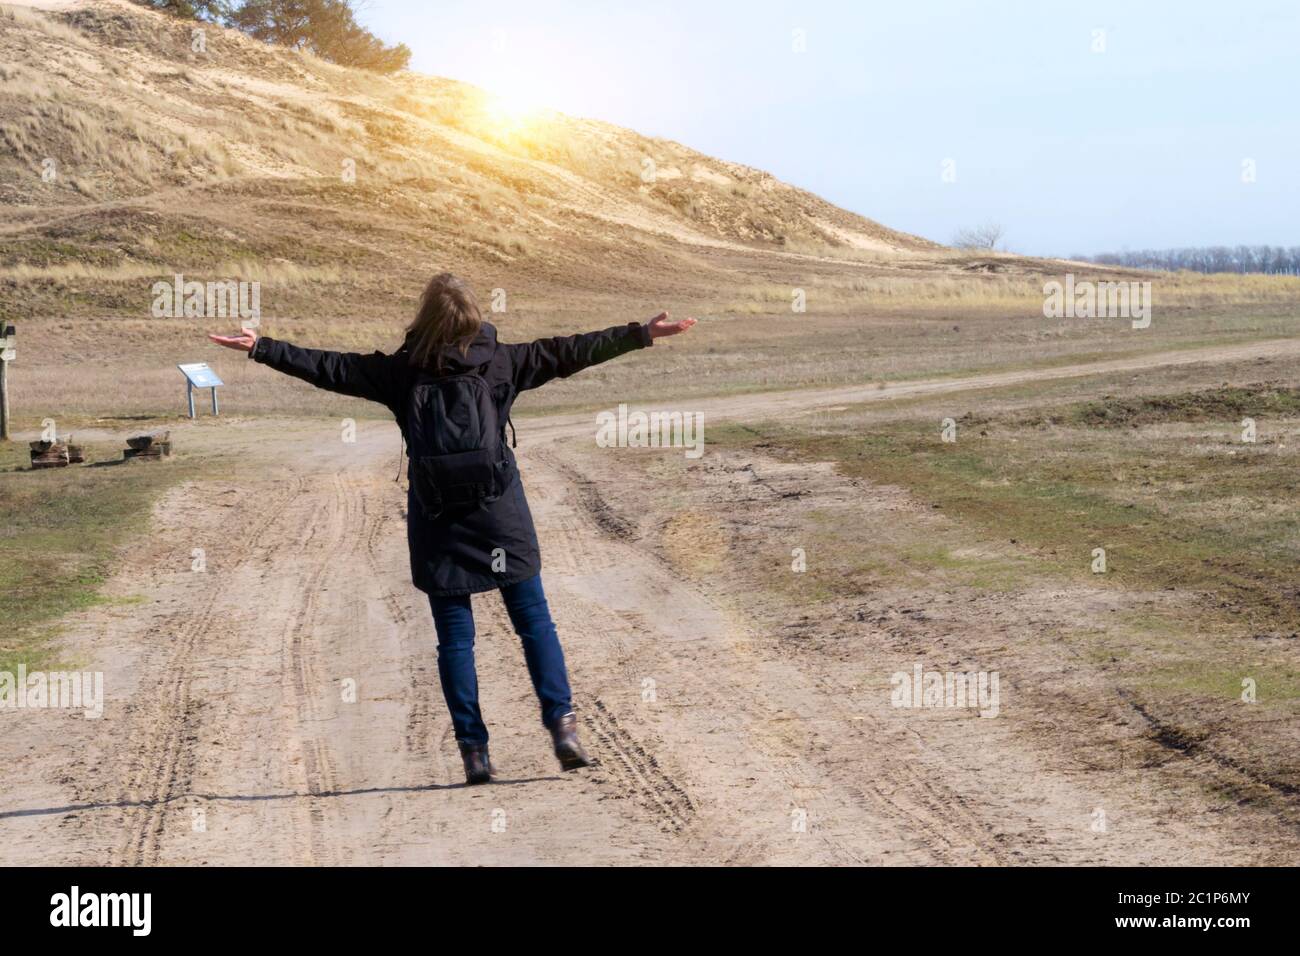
<point>565,734</point>
<point>478,768</point>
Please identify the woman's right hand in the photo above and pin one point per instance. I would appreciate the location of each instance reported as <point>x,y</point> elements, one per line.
<point>243,342</point>
<point>660,326</point>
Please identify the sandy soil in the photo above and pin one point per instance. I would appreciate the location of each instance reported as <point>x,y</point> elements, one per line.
<point>228,736</point>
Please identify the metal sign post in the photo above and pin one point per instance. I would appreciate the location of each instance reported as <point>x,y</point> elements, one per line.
<point>8,352</point>
<point>198,375</point>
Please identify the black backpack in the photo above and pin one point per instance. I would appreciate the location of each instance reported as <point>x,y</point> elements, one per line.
<point>457,443</point>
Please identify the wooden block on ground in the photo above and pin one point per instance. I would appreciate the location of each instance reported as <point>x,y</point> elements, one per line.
<point>142,442</point>
<point>49,454</point>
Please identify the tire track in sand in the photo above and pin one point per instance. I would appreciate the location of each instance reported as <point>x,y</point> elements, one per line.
<point>164,722</point>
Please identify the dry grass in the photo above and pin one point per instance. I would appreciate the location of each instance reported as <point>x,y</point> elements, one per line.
<point>43,24</point>
<point>252,270</point>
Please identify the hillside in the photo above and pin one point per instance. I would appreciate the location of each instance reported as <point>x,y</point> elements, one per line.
<point>118,98</point>
<point>129,154</point>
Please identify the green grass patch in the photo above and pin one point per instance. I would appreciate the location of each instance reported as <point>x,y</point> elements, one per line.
<point>59,531</point>
<point>1227,404</point>
<point>1274,685</point>
<point>1168,515</point>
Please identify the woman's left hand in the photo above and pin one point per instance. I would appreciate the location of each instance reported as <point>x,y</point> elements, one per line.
<point>660,326</point>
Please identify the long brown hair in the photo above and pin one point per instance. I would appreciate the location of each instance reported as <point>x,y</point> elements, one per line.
<point>448,315</point>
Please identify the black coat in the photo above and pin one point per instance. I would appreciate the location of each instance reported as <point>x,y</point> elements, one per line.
<point>453,554</point>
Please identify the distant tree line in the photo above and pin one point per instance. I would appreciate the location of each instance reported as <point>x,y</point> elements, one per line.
<point>1269,260</point>
<point>327,28</point>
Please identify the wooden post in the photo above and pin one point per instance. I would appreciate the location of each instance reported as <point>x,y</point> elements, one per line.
<point>8,352</point>
<point>4,400</point>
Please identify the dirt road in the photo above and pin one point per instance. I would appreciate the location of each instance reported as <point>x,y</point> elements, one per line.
<point>282,706</point>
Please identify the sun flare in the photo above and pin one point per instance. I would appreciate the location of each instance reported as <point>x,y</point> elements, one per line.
<point>512,109</point>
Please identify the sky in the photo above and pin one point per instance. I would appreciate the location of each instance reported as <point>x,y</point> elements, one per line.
<point>1080,127</point>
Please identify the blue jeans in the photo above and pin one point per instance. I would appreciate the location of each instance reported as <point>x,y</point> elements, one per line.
<point>454,620</point>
